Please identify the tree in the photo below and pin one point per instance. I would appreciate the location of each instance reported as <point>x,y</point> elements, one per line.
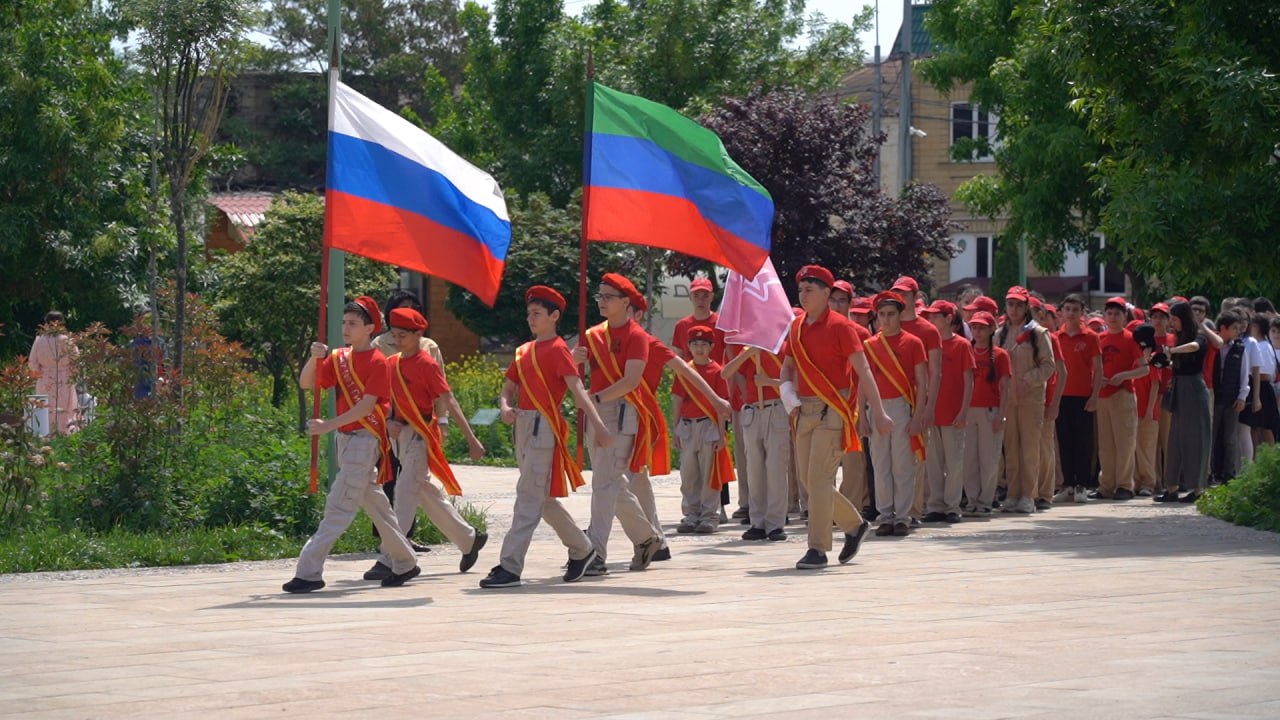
<point>815,156</point>
<point>544,251</point>
<point>268,295</point>
<point>189,50</point>
<point>71,189</point>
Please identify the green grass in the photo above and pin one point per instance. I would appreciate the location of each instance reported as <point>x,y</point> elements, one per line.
<point>49,548</point>
<point>1253,498</point>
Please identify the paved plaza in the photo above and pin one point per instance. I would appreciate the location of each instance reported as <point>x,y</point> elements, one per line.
<point>1106,610</point>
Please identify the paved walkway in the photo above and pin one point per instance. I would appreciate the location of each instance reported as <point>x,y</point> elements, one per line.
<point>1124,610</point>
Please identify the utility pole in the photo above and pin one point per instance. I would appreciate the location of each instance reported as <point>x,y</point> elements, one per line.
<point>904,110</point>
<point>877,107</point>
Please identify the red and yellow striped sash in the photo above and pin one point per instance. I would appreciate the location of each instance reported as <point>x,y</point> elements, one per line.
<point>566,476</point>
<point>406,408</point>
<point>886,360</point>
<point>652,446</point>
<point>352,389</point>
<point>722,464</point>
<point>825,389</point>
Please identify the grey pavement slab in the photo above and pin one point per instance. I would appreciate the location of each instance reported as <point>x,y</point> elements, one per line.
<point>1124,610</point>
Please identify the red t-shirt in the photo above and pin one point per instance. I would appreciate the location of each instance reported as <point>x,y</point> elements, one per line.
<point>680,336</point>
<point>628,342</point>
<point>829,341</point>
<point>659,356</point>
<point>1143,387</point>
<point>425,379</point>
<point>772,367</point>
<point>924,330</point>
<point>556,363</point>
<point>910,352</point>
<point>1210,356</point>
<point>1078,352</point>
<point>1119,354</point>
<point>957,359</point>
<point>986,391</point>
<point>369,367</point>
<point>681,389</point>
<point>1051,386</point>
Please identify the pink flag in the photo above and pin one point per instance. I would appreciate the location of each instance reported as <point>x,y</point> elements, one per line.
<point>755,312</point>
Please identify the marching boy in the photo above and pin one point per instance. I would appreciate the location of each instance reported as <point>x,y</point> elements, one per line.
<point>359,372</point>
<point>706,464</point>
<point>541,373</point>
<point>418,391</point>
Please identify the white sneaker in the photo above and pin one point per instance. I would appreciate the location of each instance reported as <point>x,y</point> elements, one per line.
<point>1010,505</point>
<point>1026,506</point>
<point>1082,495</point>
<point>1065,494</point>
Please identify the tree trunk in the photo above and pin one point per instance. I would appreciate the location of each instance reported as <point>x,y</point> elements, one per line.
<point>177,209</point>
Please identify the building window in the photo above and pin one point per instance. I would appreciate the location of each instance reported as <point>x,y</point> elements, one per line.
<point>1104,279</point>
<point>974,257</point>
<point>973,123</point>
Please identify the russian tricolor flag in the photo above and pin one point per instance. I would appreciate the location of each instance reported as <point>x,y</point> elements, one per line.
<point>397,195</point>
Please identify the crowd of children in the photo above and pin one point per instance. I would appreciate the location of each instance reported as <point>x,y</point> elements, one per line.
<point>931,412</point>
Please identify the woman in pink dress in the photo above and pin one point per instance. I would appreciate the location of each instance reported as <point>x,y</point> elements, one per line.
<point>50,360</point>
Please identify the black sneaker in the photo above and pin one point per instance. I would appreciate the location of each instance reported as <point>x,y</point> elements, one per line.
<point>739,514</point>
<point>885,530</point>
<point>777,535</point>
<point>469,559</point>
<point>1002,492</point>
<point>1097,495</point>
<point>755,533</point>
<point>812,560</point>
<point>379,571</point>
<point>853,541</point>
<point>663,554</point>
<point>746,520</point>
<point>1190,497</point>
<point>396,580</point>
<point>417,547</point>
<point>953,518</point>
<point>576,568</point>
<point>1167,496</point>
<point>901,529</point>
<point>596,568</point>
<point>298,585</point>
<point>1043,505</point>
<point>1123,494</point>
<point>645,552</point>
<point>500,577</point>
<point>935,517</point>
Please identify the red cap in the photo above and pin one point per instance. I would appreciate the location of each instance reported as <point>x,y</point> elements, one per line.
<point>1133,324</point>
<point>982,303</point>
<point>701,284</point>
<point>906,283</point>
<point>861,305</point>
<point>405,318</point>
<point>843,286</point>
<point>1095,323</point>
<point>888,296</point>
<point>1035,303</point>
<point>1050,308</point>
<point>1160,308</point>
<point>701,332</point>
<point>940,307</point>
<point>816,273</point>
<point>1178,298</point>
<point>546,294</point>
<point>1017,292</point>
<point>1140,314</point>
<point>375,313</point>
<point>982,317</point>
<point>1123,303</point>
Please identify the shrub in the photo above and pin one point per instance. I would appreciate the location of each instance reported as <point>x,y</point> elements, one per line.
<point>22,454</point>
<point>476,382</point>
<point>1253,497</point>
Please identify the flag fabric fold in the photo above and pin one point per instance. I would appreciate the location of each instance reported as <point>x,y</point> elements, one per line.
<point>755,312</point>
<point>654,177</point>
<point>395,194</point>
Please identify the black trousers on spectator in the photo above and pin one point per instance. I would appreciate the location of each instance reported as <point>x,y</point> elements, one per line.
<point>1075,442</point>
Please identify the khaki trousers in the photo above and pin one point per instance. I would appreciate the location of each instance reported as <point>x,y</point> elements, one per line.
<point>740,465</point>
<point>819,447</point>
<point>944,461</point>
<point>799,494</point>
<point>1050,468</point>
<point>982,446</point>
<point>853,478</point>
<point>355,487</point>
<point>698,502</point>
<point>767,445</point>
<point>610,492</point>
<point>1117,441</point>
<point>922,481</point>
<point>534,453</point>
<point>1145,453</point>
<point>895,466</point>
<point>1022,450</point>
<point>642,487</point>
<point>414,489</point>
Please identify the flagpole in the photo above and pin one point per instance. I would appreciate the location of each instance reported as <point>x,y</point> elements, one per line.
<point>586,205</point>
<point>332,262</point>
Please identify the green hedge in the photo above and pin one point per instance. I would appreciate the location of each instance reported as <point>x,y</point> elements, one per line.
<point>1253,498</point>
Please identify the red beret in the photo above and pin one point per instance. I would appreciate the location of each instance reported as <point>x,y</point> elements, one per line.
<point>700,285</point>
<point>545,294</point>
<point>906,283</point>
<point>375,313</point>
<point>982,317</point>
<point>888,296</point>
<point>861,305</point>
<point>982,303</point>
<point>408,319</point>
<point>816,273</point>
<point>843,286</point>
<point>940,307</point>
<point>1017,292</point>
<point>626,287</point>
<point>702,332</point>
<point>638,302</point>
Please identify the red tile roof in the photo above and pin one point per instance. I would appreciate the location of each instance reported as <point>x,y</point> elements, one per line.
<point>246,210</point>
